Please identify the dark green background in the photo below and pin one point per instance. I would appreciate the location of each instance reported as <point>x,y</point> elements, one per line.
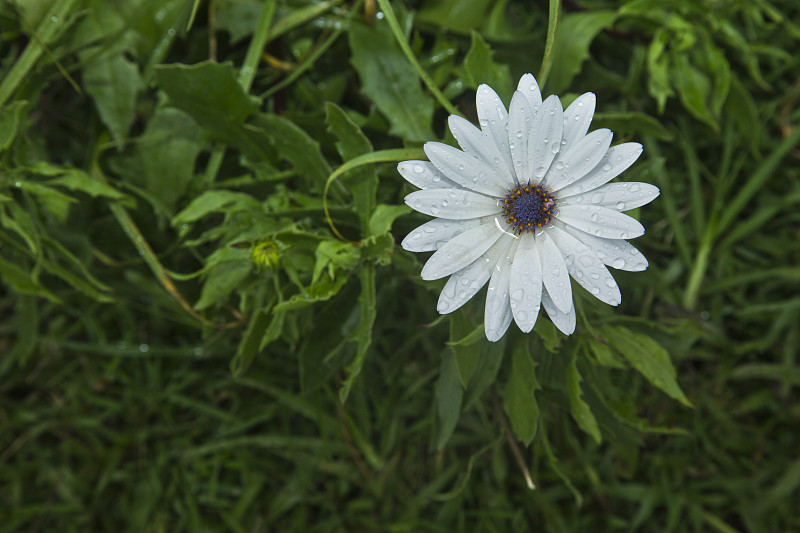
<point>186,345</point>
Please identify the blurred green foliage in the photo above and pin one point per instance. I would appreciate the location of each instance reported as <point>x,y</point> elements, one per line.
<point>188,345</point>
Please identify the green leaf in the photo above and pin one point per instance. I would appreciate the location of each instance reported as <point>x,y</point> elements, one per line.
<point>21,281</point>
<point>384,216</point>
<point>461,15</point>
<point>334,255</point>
<point>210,93</point>
<point>77,180</point>
<point>480,67</point>
<point>519,400</point>
<point>631,122</point>
<point>114,84</point>
<point>163,159</point>
<point>319,292</point>
<point>578,408</point>
<point>363,332</point>
<point>448,395</point>
<point>694,90</point>
<point>214,202</point>
<point>363,181</point>
<point>391,82</point>
<point>647,357</point>
<point>221,281</point>
<point>10,118</point>
<point>378,248</point>
<point>251,342</point>
<point>467,355</point>
<point>658,66</point>
<point>488,366</point>
<point>574,34</point>
<point>296,146</point>
<point>604,355</point>
<point>54,201</point>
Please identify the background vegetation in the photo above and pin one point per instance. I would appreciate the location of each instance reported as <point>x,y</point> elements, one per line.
<point>187,345</point>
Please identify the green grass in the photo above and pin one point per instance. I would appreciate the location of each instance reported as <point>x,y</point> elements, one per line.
<point>187,343</point>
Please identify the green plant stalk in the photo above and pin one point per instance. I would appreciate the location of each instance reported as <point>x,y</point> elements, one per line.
<point>257,44</point>
<point>700,265</point>
<point>401,40</point>
<point>552,22</point>
<point>47,29</point>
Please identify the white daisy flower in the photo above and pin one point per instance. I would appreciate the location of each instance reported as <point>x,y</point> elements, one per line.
<point>524,205</point>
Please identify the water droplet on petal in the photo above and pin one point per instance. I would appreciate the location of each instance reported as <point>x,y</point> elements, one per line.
<point>618,263</point>
<point>620,205</point>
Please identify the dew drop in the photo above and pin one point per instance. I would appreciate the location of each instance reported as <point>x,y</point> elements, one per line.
<point>435,210</point>
<point>618,263</point>
<point>620,205</point>
<point>594,217</point>
<point>606,167</point>
<point>598,197</point>
<point>610,283</point>
<point>595,291</point>
<point>444,203</point>
<point>559,165</point>
<point>635,187</point>
<point>419,169</point>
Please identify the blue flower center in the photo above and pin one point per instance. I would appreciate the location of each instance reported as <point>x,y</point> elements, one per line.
<point>528,208</point>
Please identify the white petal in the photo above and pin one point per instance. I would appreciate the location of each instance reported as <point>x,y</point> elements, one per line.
<point>555,275</point>
<point>520,117</point>
<point>621,196</point>
<point>424,175</point>
<point>600,221</point>
<point>577,118</point>
<point>617,253</point>
<point>617,160</point>
<point>456,204</point>
<point>579,159</point>
<point>497,315</point>
<point>460,251</point>
<point>493,118</point>
<point>586,268</point>
<point>433,234</point>
<point>465,169</point>
<point>530,88</point>
<point>563,321</point>
<point>463,285</point>
<point>526,283</point>
<point>545,137</point>
<point>475,142</point>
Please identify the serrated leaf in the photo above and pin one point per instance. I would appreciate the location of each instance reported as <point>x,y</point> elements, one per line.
<point>578,407</point>
<point>251,341</point>
<point>384,216</point>
<point>448,395</point>
<point>480,67</point>
<point>389,80</point>
<point>210,93</point>
<point>363,332</point>
<point>574,34</point>
<point>297,147</point>
<point>319,292</point>
<point>363,181</point>
<point>647,357</point>
<point>519,400</point>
